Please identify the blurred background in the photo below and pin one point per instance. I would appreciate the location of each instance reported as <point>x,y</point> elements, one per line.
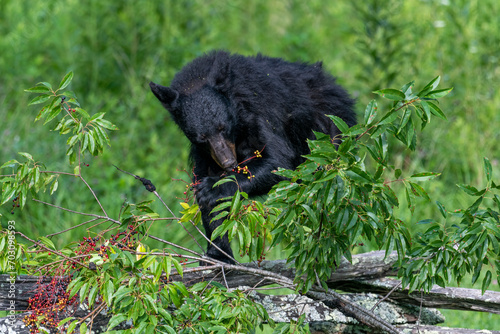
<point>115,48</point>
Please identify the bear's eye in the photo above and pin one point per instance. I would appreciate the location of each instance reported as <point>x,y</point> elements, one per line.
<point>221,128</point>
<point>203,137</point>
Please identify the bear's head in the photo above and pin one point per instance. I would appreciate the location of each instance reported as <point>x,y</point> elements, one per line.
<point>207,119</point>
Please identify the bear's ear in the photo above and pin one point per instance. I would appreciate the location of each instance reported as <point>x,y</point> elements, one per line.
<point>219,74</point>
<point>167,96</point>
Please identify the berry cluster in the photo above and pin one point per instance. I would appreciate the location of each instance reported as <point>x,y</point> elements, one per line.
<point>127,238</point>
<point>47,305</point>
<point>243,170</point>
<point>50,301</point>
<point>15,203</point>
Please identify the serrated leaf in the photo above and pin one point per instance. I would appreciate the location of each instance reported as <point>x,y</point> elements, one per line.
<point>469,190</point>
<point>72,326</point>
<point>436,94</point>
<point>178,267</point>
<point>391,94</point>
<point>39,99</point>
<point>10,163</point>
<point>26,155</point>
<point>370,112</point>
<point>83,328</point>
<point>46,84</point>
<point>397,173</point>
<point>38,89</point>
<point>430,86</point>
<point>487,168</point>
<point>436,111</point>
<point>7,192</point>
<point>427,109</point>
<point>486,282</point>
<point>404,120</point>
<point>53,113</point>
<point>388,118</point>
<point>54,186</point>
<point>116,320</point>
<point>72,140</point>
<point>47,242</point>
<point>91,139</point>
<point>442,209</point>
<point>424,176</point>
<point>83,113</point>
<point>339,123</point>
<point>106,124</point>
<point>419,191</point>
<point>66,80</point>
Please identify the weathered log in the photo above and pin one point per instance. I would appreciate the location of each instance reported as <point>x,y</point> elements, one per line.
<point>447,298</point>
<point>371,267</point>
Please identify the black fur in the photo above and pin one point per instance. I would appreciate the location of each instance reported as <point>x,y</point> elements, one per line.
<point>253,103</point>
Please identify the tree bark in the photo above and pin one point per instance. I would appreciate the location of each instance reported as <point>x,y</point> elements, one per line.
<point>364,275</point>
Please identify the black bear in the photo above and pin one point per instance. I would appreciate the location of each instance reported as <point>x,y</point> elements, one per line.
<point>230,106</point>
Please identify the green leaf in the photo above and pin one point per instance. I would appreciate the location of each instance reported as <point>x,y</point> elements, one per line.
<point>116,320</point>
<point>91,139</point>
<point>486,282</point>
<point>442,209</point>
<point>66,80</point>
<point>388,118</point>
<point>370,112</point>
<point>54,186</point>
<point>404,119</point>
<point>424,176</point>
<point>430,86</point>
<point>72,326</point>
<point>83,113</point>
<point>436,111</point>
<point>487,168</point>
<point>339,123</point>
<point>83,328</point>
<point>397,173</point>
<point>7,192</point>
<point>419,191</point>
<point>53,113</point>
<point>26,155</point>
<point>391,94</point>
<point>38,89</point>
<point>427,110</point>
<point>10,163</point>
<point>46,84</point>
<point>436,94</point>
<point>47,242</point>
<point>178,267</point>
<point>469,190</point>
<point>72,140</point>
<point>39,99</point>
<point>106,124</point>
<point>92,295</point>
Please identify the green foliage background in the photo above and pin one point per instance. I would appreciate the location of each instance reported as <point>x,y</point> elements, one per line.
<point>116,47</point>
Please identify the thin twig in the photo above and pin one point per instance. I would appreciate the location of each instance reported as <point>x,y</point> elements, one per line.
<point>184,227</point>
<point>214,245</point>
<point>79,213</point>
<point>93,194</point>
<point>41,245</point>
<point>174,245</point>
<point>385,297</point>
<point>71,228</point>
<point>224,277</point>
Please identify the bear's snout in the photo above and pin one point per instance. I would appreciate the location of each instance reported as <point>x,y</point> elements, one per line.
<point>223,152</point>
